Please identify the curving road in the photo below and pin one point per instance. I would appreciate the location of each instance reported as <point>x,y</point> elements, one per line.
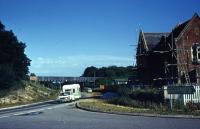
<point>66,116</point>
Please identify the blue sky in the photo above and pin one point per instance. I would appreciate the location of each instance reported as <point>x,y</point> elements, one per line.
<point>63,37</point>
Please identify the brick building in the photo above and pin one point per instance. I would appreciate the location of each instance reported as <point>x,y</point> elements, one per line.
<point>166,57</point>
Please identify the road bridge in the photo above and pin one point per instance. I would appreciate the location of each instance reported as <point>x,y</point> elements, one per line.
<point>69,79</point>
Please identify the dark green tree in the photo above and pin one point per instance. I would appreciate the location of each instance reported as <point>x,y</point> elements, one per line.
<point>33,74</point>
<point>109,72</point>
<point>1,26</point>
<point>13,61</point>
<point>90,71</point>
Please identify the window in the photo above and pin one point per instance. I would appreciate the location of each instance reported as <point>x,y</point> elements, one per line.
<point>195,53</point>
<point>198,53</point>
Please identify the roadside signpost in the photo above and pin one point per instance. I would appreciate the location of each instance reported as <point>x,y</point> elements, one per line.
<point>179,90</point>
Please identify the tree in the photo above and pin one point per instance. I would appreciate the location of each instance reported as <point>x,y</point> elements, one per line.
<point>33,74</point>
<point>1,26</point>
<point>90,71</point>
<point>109,72</point>
<point>13,61</point>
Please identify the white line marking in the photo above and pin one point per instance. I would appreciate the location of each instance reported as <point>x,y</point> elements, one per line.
<point>4,116</point>
<point>35,110</point>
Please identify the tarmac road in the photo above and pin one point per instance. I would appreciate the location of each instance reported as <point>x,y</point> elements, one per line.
<point>67,116</point>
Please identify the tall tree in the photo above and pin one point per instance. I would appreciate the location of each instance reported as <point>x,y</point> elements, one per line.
<point>1,26</point>
<point>13,61</point>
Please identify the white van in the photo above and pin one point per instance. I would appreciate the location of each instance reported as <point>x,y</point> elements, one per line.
<point>70,92</point>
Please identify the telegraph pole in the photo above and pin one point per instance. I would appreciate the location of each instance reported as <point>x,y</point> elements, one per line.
<point>94,79</point>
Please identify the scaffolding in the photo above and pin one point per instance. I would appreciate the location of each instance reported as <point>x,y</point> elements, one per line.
<point>181,57</point>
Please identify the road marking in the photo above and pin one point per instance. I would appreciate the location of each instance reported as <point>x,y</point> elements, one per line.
<point>4,116</point>
<point>36,110</point>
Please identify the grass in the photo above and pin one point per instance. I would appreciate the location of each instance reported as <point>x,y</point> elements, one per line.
<point>23,103</point>
<point>103,105</point>
<point>31,93</point>
<point>96,94</point>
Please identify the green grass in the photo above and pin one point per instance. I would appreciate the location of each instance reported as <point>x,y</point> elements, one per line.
<point>102,105</point>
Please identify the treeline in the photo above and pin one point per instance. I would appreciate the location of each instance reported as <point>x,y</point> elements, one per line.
<point>13,61</point>
<point>109,72</point>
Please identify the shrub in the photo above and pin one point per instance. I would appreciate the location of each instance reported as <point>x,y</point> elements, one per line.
<point>124,101</point>
<point>191,107</point>
<point>123,90</point>
<point>153,95</point>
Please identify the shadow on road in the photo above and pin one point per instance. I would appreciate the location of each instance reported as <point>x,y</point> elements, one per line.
<point>31,114</point>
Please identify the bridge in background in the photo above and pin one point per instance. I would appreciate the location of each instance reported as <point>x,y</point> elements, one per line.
<point>69,79</point>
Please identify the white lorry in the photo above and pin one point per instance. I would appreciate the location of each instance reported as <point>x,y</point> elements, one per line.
<point>69,93</point>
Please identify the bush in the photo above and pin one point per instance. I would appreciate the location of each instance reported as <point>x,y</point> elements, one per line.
<point>127,101</point>
<point>177,105</point>
<point>7,77</point>
<point>152,95</point>
<point>124,101</point>
<point>123,90</point>
<point>191,107</point>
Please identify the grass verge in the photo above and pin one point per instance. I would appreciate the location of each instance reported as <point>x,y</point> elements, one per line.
<point>104,106</point>
<point>101,105</point>
<point>31,93</point>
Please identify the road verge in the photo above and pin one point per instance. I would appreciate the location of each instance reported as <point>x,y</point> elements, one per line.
<point>94,106</point>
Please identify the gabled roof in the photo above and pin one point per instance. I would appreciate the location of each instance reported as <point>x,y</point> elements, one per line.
<point>153,39</point>
<point>181,28</point>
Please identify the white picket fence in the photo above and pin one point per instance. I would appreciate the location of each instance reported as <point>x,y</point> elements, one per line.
<point>192,97</point>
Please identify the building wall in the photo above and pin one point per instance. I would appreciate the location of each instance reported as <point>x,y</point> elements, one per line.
<point>143,69</point>
<point>141,60</point>
<point>151,66</point>
<point>33,78</point>
<point>183,46</point>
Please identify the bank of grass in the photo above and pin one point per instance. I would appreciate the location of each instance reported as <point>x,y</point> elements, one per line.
<point>31,92</point>
<point>106,106</point>
<point>96,94</point>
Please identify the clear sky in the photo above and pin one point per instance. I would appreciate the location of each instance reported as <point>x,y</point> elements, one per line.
<point>63,37</point>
